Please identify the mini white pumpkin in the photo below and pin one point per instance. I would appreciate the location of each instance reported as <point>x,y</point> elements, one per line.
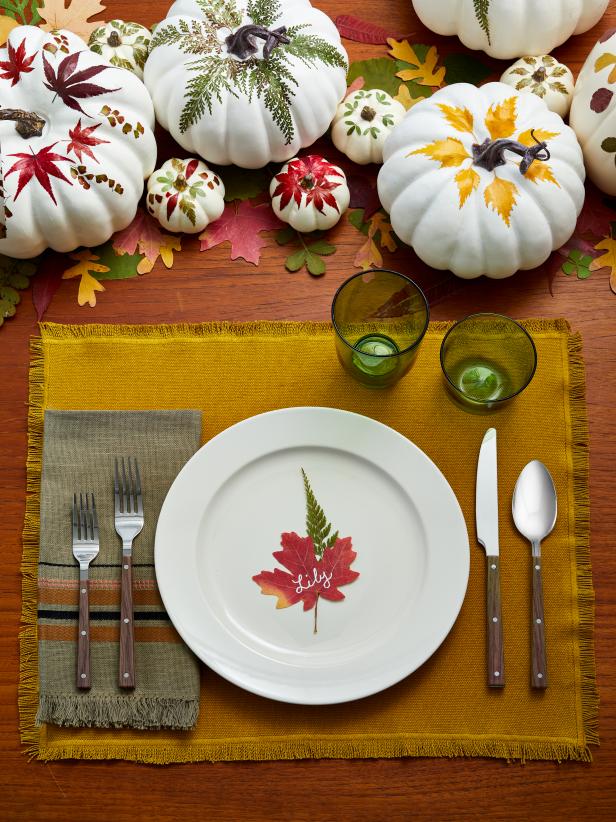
<point>310,194</point>
<point>185,195</point>
<point>246,81</point>
<point>362,123</point>
<point>470,189</point>
<point>125,45</point>
<point>544,76</point>
<point>76,144</point>
<point>593,113</point>
<point>510,28</point>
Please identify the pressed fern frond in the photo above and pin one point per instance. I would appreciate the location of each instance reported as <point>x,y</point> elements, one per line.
<point>221,13</point>
<point>482,8</point>
<point>317,526</point>
<point>263,12</point>
<point>213,78</point>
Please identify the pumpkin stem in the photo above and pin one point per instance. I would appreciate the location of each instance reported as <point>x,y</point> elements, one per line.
<point>241,44</point>
<point>490,153</point>
<point>180,183</point>
<point>114,39</point>
<point>308,181</point>
<point>27,123</point>
<point>368,113</point>
<point>540,75</point>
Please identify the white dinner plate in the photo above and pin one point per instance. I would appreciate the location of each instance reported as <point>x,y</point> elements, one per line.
<point>224,516</point>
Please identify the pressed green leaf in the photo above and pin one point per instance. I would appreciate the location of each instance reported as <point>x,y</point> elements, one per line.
<point>322,247</point>
<point>285,235</point>
<point>314,264</point>
<point>295,261</point>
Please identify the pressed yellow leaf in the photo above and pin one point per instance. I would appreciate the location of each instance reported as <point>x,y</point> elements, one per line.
<point>604,61</point>
<point>88,284</point>
<point>404,97</point>
<point>380,222</point>
<point>460,118</point>
<point>170,244</point>
<point>500,194</point>
<point>448,152</point>
<point>7,24</point>
<point>540,136</point>
<point>424,71</point>
<point>368,255</point>
<point>541,173</point>
<point>468,181</point>
<point>145,266</point>
<point>75,18</point>
<point>500,119</point>
<point>607,259</point>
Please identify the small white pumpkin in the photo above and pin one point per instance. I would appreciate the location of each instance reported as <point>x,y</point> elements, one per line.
<point>125,45</point>
<point>246,82</point>
<point>468,186</point>
<point>544,76</point>
<point>593,113</point>
<point>185,195</point>
<point>310,194</point>
<point>363,122</point>
<point>510,28</point>
<point>76,144</point>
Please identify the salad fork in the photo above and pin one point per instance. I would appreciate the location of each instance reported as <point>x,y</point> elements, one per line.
<point>85,549</point>
<point>128,524</point>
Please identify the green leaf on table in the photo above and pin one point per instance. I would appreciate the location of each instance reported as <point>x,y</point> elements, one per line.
<point>121,266</point>
<point>309,254</point>
<point>14,277</point>
<point>242,183</point>
<point>465,68</point>
<point>578,263</point>
<point>380,72</point>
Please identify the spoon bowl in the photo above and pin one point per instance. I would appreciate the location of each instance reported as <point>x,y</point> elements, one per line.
<point>534,505</point>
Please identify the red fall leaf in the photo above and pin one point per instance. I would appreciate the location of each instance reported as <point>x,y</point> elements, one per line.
<point>40,165</point>
<point>308,176</point>
<point>17,64</point>
<point>69,84</point>
<point>309,577</point>
<point>241,224</point>
<point>82,141</point>
<point>364,194</point>
<point>362,31</point>
<point>47,280</point>
<point>142,235</point>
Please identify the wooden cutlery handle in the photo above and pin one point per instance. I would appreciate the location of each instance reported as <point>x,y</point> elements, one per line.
<point>539,674</point>
<point>126,677</point>
<point>83,644</point>
<point>496,663</point>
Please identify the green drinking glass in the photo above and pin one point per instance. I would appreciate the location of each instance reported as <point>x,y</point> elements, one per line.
<point>487,359</point>
<point>380,318</point>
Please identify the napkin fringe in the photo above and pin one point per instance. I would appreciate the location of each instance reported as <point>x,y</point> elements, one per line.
<point>145,713</point>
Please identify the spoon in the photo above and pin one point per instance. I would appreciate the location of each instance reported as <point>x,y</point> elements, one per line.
<point>534,513</point>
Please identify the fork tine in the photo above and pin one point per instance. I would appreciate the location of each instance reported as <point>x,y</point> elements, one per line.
<point>94,520</point>
<point>88,534</point>
<point>82,521</point>
<point>116,487</point>
<point>75,524</point>
<point>138,489</point>
<point>124,489</point>
<point>130,489</point>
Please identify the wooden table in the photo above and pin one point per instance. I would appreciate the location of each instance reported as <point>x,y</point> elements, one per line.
<point>207,287</point>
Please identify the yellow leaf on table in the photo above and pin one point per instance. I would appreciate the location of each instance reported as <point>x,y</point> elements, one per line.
<point>380,222</point>
<point>89,285</point>
<point>500,119</point>
<point>540,172</point>
<point>168,245</point>
<point>607,259</point>
<point>541,136</point>
<point>468,181</point>
<point>459,118</point>
<point>75,17</point>
<point>368,255</point>
<point>404,97</point>
<point>448,152</point>
<point>604,61</point>
<point>500,194</point>
<point>422,71</point>
<point>7,24</point>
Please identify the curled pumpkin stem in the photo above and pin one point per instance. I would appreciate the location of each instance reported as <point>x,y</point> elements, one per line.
<point>27,123</point>
<point>490,153</point>
<point>241,44</point>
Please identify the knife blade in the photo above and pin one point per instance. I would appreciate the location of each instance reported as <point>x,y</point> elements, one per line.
<point>486,517</point>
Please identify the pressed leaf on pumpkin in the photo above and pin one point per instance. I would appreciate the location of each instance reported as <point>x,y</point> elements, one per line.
<point>459,118</point>
<point>448,152</point>
<point>604,61</point>
<point>501,118</point>
<point>501,196</point>
<point>468,181</point>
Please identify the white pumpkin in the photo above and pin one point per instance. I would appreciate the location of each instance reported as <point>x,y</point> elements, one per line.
<point>470,189</point>
<point>544,76</point>
<point>593,113</point>
<point>510,28</point>
<point>76,144</point>
<point>125,45</point>
<point>185,195</point>
<point>246,81</point>
<point>310,194</point>
<point>363,122</point>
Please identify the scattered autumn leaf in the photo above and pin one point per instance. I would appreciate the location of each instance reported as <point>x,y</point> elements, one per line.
<point>380,223</point>
<point>467,180</point>
<point>362,31</point>
<point>501,195</point>
<point>448,152</point>
<point>378,232</point>
<point>501,117</point>
<point>7,24</point>
<point>168,245</point>
<point>364,193</point>
<point>75,17</point>
<point>241,224</point>
<point>459,118</point>
<point>47,280</point>
<point>145,236</point>
<point>423,71</point>
<point>357,84</point>
<point>404,97</point>
<point>88,285</point>
<point>608,258</point>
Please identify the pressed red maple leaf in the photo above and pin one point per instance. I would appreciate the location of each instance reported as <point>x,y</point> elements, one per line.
<point>69,84</point>
<point>82,141</point>
<point>308,177</point>
<point>17,64</point>
<point>40,165</point>
<point>241,224</point>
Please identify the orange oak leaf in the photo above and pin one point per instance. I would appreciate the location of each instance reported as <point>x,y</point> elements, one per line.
<point>501,118</point>
<point>423,71</point>
<point>604,61</point>
<point>448,152</point>
<point>607,259</point>
<point>88,285</point>
<point>526,138</point>
<point>467,180</point>
<point>74,17</point>
<point>241,224</point>
<point>380,233</point>
<point>380,223</point>
<point>459,118</point>
<point>540,172</point>
<point>500,194</point>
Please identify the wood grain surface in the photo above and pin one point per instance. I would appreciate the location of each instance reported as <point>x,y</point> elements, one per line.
<point>210,287</point>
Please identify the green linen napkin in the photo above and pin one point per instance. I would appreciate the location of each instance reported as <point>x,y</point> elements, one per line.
<point>78,456</point>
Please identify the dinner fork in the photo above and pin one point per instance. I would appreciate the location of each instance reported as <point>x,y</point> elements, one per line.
<point>128,524</point>
<point>85,549</point>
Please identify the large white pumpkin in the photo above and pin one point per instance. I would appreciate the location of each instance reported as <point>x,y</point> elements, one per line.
<point>76,144</point>
<point>246,81</point>
<point>593,113</point>
<point>510,28</point>
<point>469,188</point>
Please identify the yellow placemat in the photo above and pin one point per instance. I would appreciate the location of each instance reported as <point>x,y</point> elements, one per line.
<point>445,708</point>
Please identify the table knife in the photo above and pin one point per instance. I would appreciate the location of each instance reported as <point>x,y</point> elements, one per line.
<point>486,517</point>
